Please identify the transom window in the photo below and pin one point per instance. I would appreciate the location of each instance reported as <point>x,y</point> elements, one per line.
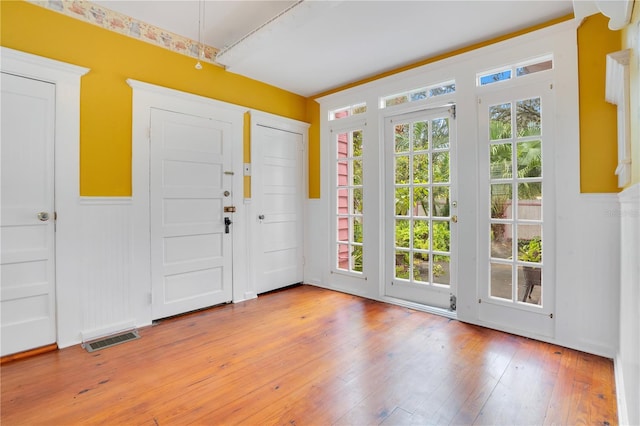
<point>515,71</point>
<point>418,94</point>
<point>347,111</point>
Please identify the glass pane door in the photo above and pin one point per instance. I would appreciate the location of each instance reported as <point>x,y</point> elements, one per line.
<point>419,207</point>
<point>516,200</point>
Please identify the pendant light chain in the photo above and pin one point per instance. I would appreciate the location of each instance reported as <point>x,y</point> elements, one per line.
<point>200,28</point>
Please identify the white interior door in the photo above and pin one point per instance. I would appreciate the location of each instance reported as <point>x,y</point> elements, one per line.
<point>278,194</point>
<point>190,184</point>
<point>27,221</point>
<point>420,207</point>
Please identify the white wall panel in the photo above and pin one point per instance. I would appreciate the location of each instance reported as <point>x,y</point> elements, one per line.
<point>628,357</point>
<point>588,272</point>
<point>104,262</point>
<point>315,241</point>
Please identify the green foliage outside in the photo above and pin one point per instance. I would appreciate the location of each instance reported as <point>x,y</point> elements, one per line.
<point>528,162</point>
<point>531,251</point>
<point>414,156</point>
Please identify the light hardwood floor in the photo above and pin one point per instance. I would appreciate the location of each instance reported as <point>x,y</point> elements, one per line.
<point>309,356</point>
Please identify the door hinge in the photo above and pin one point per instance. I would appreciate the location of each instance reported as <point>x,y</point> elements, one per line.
<point>453,111</point>
<point>452,302</point>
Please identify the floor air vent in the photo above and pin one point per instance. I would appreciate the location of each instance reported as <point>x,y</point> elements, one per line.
<point>111,341</point>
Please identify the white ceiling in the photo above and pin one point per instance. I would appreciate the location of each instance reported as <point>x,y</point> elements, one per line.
<point>322,44</point>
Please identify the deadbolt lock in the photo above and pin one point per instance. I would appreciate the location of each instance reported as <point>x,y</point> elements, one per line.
<point>230,209</point>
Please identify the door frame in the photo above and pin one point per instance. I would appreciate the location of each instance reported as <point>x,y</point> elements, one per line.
<point>145,97</point>
<point>263,119</point>
<point>66,78</point>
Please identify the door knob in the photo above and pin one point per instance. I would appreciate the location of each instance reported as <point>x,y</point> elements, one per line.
<point>261,217</point>
<point>43,216</point>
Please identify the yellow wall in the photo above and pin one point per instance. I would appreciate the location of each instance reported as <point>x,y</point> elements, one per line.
<point>313,118</point>
<point>598,122</point>
<point>105,132</point>
<point>631,40</point>
<point>105,147</point>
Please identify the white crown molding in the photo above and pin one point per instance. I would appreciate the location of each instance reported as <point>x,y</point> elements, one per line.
<point>618,11</point>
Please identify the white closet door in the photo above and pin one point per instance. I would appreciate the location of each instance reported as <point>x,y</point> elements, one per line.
<point>28,226</point>
<point>278,191</point>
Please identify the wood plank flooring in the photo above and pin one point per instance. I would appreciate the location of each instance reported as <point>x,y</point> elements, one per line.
<point>309,356</point>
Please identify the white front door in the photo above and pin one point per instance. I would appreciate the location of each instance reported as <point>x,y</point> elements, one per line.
<point>279,188</point>
<point>420,207</point>
<point>27,221</point>
<point>190,184</point>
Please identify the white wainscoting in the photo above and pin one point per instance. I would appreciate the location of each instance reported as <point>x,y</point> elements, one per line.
<point>627,361</point>
<point>316,242</point>
<point>104,258</point>
<point>588,272</point>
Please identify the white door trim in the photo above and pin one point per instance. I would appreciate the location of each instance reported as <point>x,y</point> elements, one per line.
<point>145,97</point>
<point>66,77</point>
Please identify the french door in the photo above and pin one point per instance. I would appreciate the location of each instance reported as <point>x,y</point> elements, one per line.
<point>516,194</point>
<point>420,207</point>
